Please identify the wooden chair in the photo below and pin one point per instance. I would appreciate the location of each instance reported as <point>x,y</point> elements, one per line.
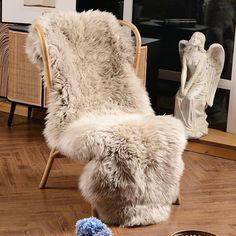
<point>139,66</point>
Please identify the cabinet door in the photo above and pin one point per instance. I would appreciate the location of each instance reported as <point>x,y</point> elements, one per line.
<point>24,83</point>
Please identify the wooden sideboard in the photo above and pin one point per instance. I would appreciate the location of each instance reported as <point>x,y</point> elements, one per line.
<point>24,83</point>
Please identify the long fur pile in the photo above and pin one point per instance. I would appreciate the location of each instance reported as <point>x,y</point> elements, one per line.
<point>99,111</point>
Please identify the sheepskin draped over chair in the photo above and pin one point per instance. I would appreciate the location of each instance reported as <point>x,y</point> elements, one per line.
<point>99,111</point>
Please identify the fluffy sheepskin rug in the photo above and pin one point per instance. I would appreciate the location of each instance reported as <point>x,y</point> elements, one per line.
<point>99,111</point>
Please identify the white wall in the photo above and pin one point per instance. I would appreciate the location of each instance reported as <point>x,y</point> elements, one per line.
<point>14,10</point>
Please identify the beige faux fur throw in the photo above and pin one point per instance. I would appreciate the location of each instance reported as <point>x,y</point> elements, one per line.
<point>99,111</point>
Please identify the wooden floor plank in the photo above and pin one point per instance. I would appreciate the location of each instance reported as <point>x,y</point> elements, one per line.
<point>208,190</point>
<point>219,137</point>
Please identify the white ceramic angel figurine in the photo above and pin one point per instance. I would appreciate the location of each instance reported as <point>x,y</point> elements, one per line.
<point>200,76</point>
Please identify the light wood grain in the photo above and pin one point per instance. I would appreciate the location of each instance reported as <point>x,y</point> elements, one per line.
<point>212,150</point>
<point>142,68</point>
<point>227,140</point>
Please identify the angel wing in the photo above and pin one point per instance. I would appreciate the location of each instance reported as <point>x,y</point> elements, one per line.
<point>182,45</point>
<point>215,64</point>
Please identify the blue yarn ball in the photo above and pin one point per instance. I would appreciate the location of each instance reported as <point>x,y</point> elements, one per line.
<point>92,227</point>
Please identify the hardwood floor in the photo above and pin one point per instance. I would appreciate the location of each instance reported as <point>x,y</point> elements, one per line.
<point>208,190</point>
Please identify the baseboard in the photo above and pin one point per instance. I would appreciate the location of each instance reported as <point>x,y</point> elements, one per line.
<point>211,150</point>
<point>219,138</point>
<point>216,143</point>
<point>22,110</point>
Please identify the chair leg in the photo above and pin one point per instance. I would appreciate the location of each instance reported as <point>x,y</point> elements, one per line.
<point>48,167</point>
<point>178,201</point>
<point>94,212</point>
<point>11,114</point>
<point>29,112</point>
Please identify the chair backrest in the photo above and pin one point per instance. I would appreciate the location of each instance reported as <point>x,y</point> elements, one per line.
<point>44,48</point>
<point>88,61</point>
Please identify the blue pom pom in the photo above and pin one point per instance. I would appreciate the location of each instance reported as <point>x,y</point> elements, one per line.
<point>92,227</point>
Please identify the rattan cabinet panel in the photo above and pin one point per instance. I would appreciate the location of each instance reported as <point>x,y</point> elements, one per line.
<point>4,50</point>
<point>24,83</point>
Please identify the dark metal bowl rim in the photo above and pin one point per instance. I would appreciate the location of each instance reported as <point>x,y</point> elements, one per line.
<point>193,231</point>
